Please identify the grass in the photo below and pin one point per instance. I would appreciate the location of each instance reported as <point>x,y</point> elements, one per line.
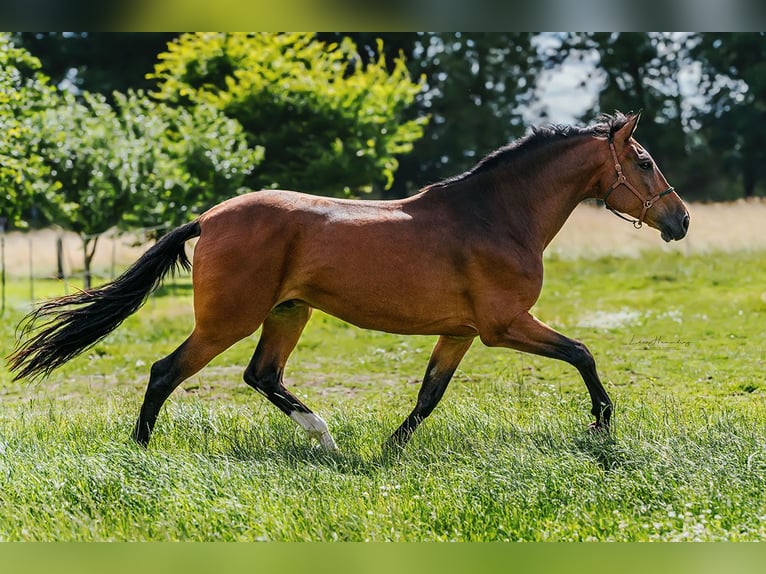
<point>678,340</point>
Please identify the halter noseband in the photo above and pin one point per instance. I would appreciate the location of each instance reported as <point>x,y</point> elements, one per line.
<point>622,180</point>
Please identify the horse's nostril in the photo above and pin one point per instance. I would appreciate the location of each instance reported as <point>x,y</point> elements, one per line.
<point>685,222</point>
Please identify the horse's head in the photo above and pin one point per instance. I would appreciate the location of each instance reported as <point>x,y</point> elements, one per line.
<point>635,186</point>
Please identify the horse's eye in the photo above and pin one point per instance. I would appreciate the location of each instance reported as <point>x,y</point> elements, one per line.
<point>645,164</point>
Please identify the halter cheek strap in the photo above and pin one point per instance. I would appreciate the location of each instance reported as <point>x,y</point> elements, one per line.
<point>622,180</point>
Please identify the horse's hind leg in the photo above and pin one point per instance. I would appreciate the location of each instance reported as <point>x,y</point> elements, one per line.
<point>280,333</point>
<point>445,358</point>
<point>166,374</point>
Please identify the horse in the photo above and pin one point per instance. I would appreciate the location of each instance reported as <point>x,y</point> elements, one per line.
<point>463,258</point>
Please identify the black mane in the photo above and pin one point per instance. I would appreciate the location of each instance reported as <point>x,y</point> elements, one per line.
<point>539,137</point>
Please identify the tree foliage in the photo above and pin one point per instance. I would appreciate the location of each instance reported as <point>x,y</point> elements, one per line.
<point>80,144</point>
<point>475,88</point>
<point>733,81</point>
<point>181,160</point>
<point>328,122</point>
<point>136,162</point>
<point>24,93</point>
<point>103,62</point>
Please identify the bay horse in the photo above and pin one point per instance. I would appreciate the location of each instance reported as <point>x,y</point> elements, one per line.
<point>461,259</point>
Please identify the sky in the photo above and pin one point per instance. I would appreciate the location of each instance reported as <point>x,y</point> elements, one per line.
<point>567,92</point>
<point>564,93</point>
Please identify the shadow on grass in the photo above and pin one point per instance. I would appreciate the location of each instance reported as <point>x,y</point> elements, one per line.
<point>602,448</point>
<point>275,441</point>
<point>345,461</point>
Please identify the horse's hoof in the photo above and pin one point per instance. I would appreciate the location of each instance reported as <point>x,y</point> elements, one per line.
<point>598,427</point>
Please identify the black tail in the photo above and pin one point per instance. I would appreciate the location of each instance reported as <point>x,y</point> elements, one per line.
<point>62,328</point>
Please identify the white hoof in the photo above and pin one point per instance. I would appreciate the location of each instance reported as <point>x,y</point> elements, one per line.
<point>316,428</point>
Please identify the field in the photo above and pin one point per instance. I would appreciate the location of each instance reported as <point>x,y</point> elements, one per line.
<point>678,335</point>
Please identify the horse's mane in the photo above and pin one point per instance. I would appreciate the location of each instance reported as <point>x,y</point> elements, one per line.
<point>537,138</point>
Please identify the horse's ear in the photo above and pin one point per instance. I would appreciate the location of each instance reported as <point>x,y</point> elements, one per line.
<point>635,118</point>
<point>626,132</point>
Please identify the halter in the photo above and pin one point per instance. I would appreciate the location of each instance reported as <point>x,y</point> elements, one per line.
<point>622,180</point>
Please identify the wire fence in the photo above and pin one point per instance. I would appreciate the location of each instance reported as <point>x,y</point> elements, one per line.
<point>47,254</point>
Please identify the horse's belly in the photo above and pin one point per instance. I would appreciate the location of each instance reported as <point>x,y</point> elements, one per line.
<point>403,312</point>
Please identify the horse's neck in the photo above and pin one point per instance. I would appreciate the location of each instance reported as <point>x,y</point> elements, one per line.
<point>538,198</point>
<point>528,201</point>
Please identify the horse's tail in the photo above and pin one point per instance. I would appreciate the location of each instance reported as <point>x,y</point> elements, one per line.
<point>62,328</point>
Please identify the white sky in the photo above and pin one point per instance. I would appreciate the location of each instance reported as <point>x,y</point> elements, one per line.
<point>570,90</point>
<point>564,93</point>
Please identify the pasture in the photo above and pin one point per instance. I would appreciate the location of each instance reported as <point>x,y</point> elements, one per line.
<point>678,338</point>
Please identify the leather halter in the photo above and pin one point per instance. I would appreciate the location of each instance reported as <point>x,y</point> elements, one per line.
<point>622,180</point>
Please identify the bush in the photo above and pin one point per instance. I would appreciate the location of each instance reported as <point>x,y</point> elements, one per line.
<point>328,123</point>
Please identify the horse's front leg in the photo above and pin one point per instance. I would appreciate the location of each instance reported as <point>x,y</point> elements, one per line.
<point>526,333</point>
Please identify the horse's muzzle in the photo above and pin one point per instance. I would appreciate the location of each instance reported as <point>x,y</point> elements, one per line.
<point>675,228</point>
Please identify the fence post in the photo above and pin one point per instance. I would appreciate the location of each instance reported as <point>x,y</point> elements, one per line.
<point>31,271</point>
<point>112,274</point>
<point>59,255</point>
<point>3,223</point>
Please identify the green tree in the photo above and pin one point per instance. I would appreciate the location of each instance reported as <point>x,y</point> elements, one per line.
<point>102,62</point>
<point>733,81</point>
<point>136,162</point>
<point>78,148</point>
<point>477,85</point>
<point>475,88</point>
<point>328,122</point>
<point>24,93</point>
<point>184,160</point>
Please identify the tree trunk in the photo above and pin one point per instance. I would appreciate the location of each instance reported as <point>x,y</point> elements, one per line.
<point>59,257</point>
<point>89,250</point>
<point>748,181</point>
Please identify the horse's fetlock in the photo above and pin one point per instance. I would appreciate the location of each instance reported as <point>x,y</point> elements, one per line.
<point>603,411</point>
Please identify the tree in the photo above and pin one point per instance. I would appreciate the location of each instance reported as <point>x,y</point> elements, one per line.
<point>733,80</point>
<point>102,62</point>
<point>77,144</point>
<point>328,122</point>
<point>24,93</point>
<point>188,160</point>
<point>135,161</point>
<point>475,88</point>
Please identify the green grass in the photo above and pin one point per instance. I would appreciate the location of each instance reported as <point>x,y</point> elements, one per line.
<point>506,455</point>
